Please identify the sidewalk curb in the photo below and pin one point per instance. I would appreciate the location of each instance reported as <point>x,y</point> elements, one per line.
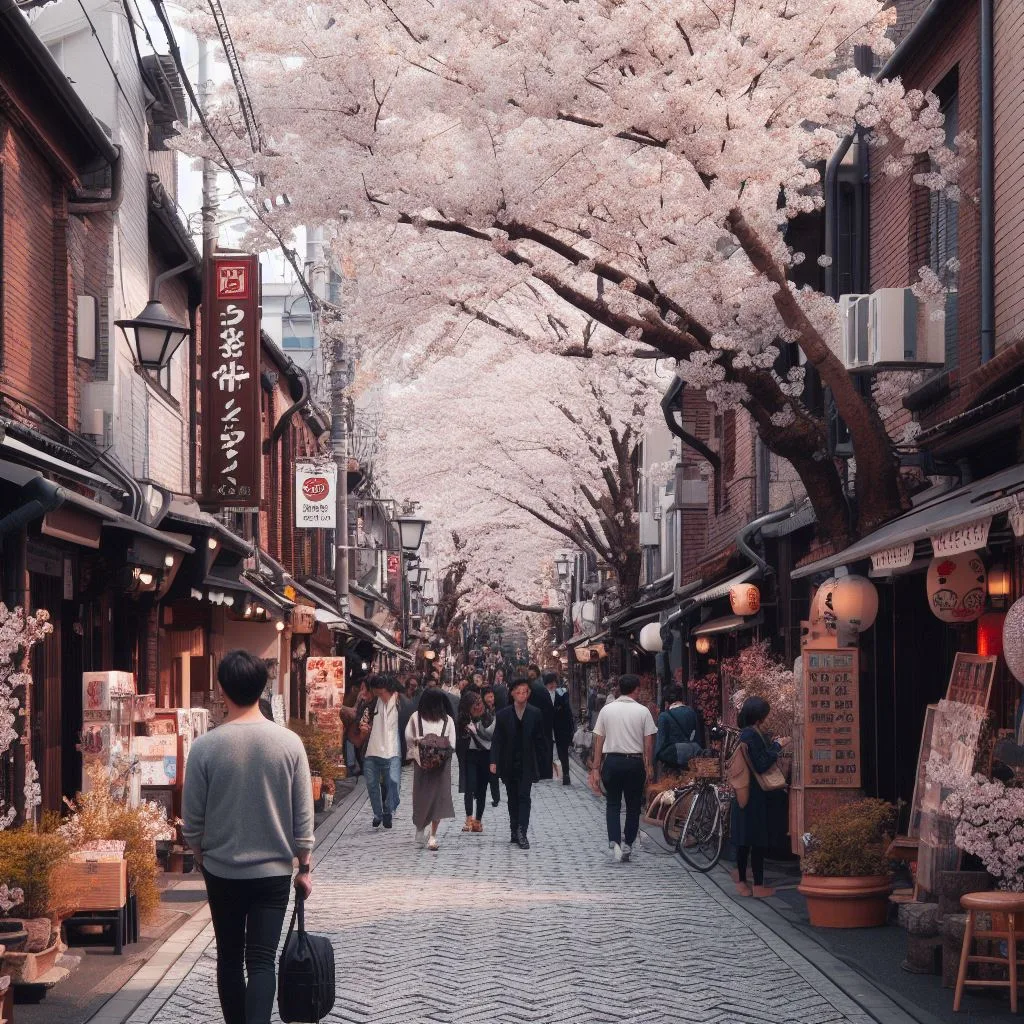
<point>143,996</point>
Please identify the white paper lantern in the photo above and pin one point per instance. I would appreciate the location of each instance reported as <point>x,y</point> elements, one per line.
<point>855,603</point>
<point>822,613</point>
<point>956,587</point>
<point>745,599</point>
<point>650,637</point>
<point>1013,640</point>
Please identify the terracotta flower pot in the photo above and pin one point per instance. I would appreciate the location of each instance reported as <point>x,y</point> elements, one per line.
<point>317,784</point>
<point>846,902</point>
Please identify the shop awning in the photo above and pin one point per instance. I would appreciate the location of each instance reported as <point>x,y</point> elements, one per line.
<point>727,624</point>
<point>722,589</point>
<point>230,578</point>
<point>380,640</point>
<point>955,521</point>
<point>185,510</point>
<point>109,518</point>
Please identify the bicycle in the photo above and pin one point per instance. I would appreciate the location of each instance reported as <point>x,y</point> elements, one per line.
<point>695,823</point>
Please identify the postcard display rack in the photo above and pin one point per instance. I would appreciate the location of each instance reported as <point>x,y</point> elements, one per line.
<point>108,721</point>
<point>163,753</point>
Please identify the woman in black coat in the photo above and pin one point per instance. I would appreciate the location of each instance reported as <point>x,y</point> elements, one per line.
<point>752,826</point>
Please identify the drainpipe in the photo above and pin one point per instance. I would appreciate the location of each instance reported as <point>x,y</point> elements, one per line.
<point>987,189</point>
<point>41,496</point>
<point>746,535</point>
<point>298,375</point>
<point>668,402</point>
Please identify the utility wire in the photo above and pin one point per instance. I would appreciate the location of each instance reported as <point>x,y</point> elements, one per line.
<point>315,302</point>
<point>235,66</point>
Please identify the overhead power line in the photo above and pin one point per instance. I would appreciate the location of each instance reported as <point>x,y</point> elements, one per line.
<point>235,67</point>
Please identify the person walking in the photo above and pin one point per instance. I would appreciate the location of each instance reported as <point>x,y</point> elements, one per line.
<point>247,811</point>
<point>753,828</point>
<point>517,750</point>
<point>562,725</point>
<point>623,754</point>
<point>385,748</point>
<point>500,689</point>
<point>680,733</point>
<point>542,697</point>
<point>479,729</point>
<point>431,787</point>
<point>492,709</point>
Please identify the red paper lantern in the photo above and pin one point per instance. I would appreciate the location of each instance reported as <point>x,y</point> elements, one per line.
<point>990,634</point>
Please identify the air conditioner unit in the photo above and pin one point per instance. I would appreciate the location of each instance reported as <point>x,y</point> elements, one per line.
<point>650,532</point>
<point>853,319</point>
<point>901,333</point>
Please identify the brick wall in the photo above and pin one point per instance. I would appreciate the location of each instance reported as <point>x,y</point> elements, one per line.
<point>899,208</point>
<point>1009,163</point>
<point>32,275</point>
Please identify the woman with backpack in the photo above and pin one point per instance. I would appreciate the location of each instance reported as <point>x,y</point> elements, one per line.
<point>430,736</point>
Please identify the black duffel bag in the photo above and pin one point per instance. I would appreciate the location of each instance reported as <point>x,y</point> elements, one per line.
<point>305,981</point>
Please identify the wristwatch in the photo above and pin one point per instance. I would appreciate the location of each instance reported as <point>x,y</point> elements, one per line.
<point>304,869</point>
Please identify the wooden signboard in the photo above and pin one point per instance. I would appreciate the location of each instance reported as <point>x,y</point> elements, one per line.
<point>971,680</point>
<point>831,712</point>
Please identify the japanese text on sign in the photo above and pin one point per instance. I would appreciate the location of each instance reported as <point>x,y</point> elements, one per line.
<point>231,408</point>
<point>960,539</point>
<point>831,747</point>
<point>316,495</point>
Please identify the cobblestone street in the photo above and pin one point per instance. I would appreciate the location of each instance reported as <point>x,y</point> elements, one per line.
<point>482,931</point>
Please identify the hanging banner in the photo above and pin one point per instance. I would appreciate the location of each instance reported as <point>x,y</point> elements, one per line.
<point>958,540</point>
<point>231,382</point>
<point>316,495</point>
<point>898,557</point>
<point>1016,517</point>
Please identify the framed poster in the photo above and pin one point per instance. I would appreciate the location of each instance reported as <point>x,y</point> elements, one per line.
<point>920,777</point>
<point>325,694</point>
<point>971,679</point>
<point>831,718</point>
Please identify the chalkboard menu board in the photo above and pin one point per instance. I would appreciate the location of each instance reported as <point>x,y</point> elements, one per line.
<point>831,718</point>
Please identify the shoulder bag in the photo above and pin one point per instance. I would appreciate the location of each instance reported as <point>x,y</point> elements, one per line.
<point>305,983</point>
<point>769,780</point>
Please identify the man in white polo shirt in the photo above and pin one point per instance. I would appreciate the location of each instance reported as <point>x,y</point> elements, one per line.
<point>623,756</point>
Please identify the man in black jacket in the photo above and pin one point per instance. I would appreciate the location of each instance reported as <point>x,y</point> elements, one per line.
<point>517,750</point>
<point>542,698</point>
<point>562,723</point>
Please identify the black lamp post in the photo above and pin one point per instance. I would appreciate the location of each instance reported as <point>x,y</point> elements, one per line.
<point>154,334</point>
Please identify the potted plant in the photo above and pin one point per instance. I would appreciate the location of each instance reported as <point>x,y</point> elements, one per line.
<point>845,871</point>
<point>327,793</point>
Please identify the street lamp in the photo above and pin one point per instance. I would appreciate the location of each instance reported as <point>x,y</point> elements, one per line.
<point>410,532</point>
<point>562,566</point>
<point>154,333</point>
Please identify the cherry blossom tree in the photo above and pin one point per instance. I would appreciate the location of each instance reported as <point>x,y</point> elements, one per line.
<point>508,446</point>
<point>636,160</point>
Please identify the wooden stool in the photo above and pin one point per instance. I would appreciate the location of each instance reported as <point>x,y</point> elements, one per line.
<point>1011,904</point>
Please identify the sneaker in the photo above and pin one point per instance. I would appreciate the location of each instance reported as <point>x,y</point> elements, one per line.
<point>421,836</point>
<point>432,844</point>
<point>617,853</point>
<point>387,821</point>
<point>627,850</point>
<point>376,822</point>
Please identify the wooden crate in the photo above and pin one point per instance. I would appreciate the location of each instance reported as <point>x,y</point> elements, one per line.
<point>96,885</point>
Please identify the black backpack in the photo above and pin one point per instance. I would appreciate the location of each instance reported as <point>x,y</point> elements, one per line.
<point>305,983</point>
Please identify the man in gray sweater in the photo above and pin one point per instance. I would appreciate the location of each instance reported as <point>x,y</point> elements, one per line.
<point>248,816</point>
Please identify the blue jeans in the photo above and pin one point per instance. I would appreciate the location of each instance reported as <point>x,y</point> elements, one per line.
<point>386,770</point>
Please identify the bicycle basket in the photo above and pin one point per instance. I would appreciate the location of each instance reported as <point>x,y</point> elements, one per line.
<point>705,767</point>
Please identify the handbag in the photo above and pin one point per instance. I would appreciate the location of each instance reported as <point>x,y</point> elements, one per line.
<point>769,780</point>
<point>737,774</point>
<point>305,981</point>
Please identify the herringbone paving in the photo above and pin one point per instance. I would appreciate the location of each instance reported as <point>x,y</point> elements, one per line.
<point>483,932</point>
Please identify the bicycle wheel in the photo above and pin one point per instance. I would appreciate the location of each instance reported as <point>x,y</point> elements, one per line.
<point>701,841</point>
<point>672,827</point>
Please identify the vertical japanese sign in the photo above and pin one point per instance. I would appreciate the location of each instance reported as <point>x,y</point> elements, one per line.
<point>831,706</point>
<point>231,382</point>
<point>315,495</point>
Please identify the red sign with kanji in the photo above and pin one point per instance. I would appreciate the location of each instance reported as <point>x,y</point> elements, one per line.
<point>231,382</point>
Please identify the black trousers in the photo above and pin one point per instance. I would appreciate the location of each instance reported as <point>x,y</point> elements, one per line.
<point>248,914</point>
<point>623,777</point>
<point>563,756</point>
<point>517,793</point>
<point>755,856</point>
<point>495,790</point>
<point>478,774</point>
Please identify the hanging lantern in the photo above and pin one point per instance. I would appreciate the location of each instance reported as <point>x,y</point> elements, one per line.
<point>822,613</point>
<point>1013,640</point>
<point>855,603</point>
<point>990,634</point>
<point>745,599</point>
<point>703,645</point>
<point>956,587</point>
<point>650,637</point>
<point>999,585</point>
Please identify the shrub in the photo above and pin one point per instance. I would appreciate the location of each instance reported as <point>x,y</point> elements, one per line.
<point>851,841</point>
<point>320,761</point>
<point>30,861</point>
<point>757,672</point>
<point>99,814</point>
